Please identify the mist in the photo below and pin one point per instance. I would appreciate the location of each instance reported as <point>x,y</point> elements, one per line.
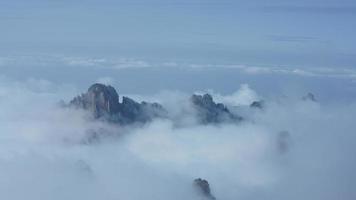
<point>290,149</point>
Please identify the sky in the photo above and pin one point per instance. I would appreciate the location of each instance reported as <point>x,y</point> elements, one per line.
<point>214,44</point>
<point>161,51</point>
<point>304,33</point>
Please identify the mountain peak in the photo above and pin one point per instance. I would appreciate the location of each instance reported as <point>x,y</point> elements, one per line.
<point>210,112</point>
<point>103,102</point>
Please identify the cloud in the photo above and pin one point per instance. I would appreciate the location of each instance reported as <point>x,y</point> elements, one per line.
<point>89,63</point>
<point>289,38</point>
<point>106,80</point>
<point>327,10</point>
<point>244,96</point>
<point>344,73</point>
<point>45,151</point>
<point>115,63</point>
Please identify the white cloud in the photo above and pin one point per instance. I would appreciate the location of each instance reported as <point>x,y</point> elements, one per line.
<point>120,63</point>
<point>106,80</point>
<point>244,96</point>
<point>45,145</point>
<point>85,62</point>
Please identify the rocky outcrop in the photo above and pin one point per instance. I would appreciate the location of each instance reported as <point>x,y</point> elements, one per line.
<point>100,99</point>
<point>210,112</point>
<point>203,187</point>
<point>132,111</point>
<point>103,102</point>
<point>257,104</point>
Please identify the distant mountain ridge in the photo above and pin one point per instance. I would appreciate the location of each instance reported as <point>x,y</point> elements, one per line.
<point>102,101</point>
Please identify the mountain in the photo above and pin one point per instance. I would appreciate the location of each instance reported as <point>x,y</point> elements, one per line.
<point>210,112</point>
<point>257,104</point>
<point>102,101</point>
<point>203,188</point>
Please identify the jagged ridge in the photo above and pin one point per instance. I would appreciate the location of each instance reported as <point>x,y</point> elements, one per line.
<point>103,102</point>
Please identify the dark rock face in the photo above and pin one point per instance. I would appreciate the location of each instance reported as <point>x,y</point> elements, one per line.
<point>132,111</point>
<point>100,99</point>
<point>103,102</point>
<point>257,104</point>
<point>210,112</point>
<point>203,187</point>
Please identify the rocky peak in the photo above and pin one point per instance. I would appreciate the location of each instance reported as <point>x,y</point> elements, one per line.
<point>210,112</point>
<point>202,100</point>
<point>203,187</point>
<point>257,104</point>
<point>107,91</point>
<point>130,110</point>
<point>101,100</point>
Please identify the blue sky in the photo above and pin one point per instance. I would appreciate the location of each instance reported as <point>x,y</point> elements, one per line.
<point>289,42</point>
<point>249,32</point>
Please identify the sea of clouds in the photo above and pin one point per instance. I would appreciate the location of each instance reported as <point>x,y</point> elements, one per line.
<point>291,149</point>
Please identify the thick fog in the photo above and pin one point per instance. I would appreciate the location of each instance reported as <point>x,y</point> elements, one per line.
<point>290,149</point>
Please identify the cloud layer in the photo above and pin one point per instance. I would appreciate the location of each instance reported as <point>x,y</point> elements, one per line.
<point>292,149</point>
<point>95,63</point>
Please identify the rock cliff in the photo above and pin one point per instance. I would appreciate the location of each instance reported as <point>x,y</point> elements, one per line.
<point>102,101</point>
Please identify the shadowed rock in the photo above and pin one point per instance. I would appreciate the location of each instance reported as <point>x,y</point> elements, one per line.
<point>132,111</point>
<point>257,104</point>
<point>210,112</point>
<point>203,188</point>
<point>100,99</point>
<point>103,102</point>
